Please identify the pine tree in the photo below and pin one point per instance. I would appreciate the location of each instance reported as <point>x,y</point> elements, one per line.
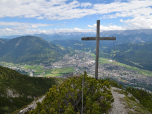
<point>67,98</point>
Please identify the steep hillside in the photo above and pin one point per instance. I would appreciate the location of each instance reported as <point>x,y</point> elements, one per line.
<point>67,98</point>
<point>132,38</point>
<point>99,97</point>
<point>126,103</point>
<point>17,90</point>
<point>138,55</point>
<point>78,45</point>
<point>31,50</point>
<point>2,42</point>
<point>74,44</point>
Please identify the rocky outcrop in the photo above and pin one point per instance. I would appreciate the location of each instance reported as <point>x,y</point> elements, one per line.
<point>11,93</point>
<point>32,106</point>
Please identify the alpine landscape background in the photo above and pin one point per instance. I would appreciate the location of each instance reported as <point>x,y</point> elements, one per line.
<point>46,68</point>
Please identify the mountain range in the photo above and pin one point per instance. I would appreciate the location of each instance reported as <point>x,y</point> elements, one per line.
<point>78,35</point>
<point>16,90</point>
<point>34,49</point>
<point>2,42</point>
<point>137,54</point>
<point>132,35</point>
<point>120,39</point>
<point>31,50</point>
<point>64,36</point>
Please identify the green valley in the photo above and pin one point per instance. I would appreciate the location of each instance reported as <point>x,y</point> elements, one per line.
<point>39,70</point>
<point>49,72</point>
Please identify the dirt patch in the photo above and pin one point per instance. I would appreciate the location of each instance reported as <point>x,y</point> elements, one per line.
<point>118,106</point>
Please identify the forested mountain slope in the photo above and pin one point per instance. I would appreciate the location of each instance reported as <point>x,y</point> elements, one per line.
<point>138,54</point>
<point>132,38</point>
<point>67,98</point>
<point>17,90</point>
<point>134,54</point>
<point>31,50</point>
<point>2,42</point>
<point>78,45</point>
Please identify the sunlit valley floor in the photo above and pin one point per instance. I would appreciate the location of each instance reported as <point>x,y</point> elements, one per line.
<point>76,64</point>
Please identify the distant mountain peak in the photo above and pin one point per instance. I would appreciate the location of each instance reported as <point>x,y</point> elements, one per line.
<point>30,49</point>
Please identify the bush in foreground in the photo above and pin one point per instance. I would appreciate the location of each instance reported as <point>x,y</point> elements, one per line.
<point>67,98</point>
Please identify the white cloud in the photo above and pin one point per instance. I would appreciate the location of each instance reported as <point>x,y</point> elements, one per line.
<point>34,26</point>
<point>109,27</point>
<point>60,10</point>
<point>94,25</point>
<point>117,0</point>
<point>86,4</point>
<point>9,30</point>
<point>39,31</point>
<point>138,10</point>
<point>139,22</point>
<point>121,20</point>
<point>21,28</point>
<point>26,25</point>
<point>40,17</point>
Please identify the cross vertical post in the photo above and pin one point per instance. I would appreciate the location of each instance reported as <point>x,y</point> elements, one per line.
<point>97,38</point>
<point>97,49</point>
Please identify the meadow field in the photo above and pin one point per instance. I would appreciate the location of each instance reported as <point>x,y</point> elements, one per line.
<point>103,61</point>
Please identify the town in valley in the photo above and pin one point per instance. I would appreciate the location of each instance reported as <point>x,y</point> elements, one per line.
<point>83,61</point>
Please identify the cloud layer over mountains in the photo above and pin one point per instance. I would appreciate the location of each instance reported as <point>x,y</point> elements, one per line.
<point>131,14</point>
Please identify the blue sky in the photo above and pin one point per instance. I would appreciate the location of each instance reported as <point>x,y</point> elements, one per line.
<point>19,17</point>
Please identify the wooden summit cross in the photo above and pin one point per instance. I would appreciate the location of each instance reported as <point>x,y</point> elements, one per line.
<point>97,45</point>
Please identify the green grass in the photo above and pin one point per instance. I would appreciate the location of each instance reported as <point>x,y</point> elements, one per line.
<point>39,69</point>
<point>131,104</point>
<point>93,55</point>
<point>62,70</point>
<point>3,63</point>
<point>51,75</point>
<point>59,71</point>
<point>49,72</point>
<point>33,67</point>
<point>103,61</point>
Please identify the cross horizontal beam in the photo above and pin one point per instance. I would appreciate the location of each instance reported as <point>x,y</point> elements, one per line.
<point>100,38</point>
